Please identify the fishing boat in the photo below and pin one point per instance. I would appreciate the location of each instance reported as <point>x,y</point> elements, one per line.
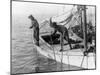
<point>50,45</point>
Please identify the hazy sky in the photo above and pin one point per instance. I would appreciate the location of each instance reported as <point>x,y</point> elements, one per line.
<point>42,10</point>
<point>37,8</point>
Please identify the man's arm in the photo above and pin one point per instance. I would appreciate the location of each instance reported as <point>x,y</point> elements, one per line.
<point>31,27</point>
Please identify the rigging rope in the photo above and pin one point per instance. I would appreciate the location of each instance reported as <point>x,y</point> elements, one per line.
<point>37,54</point>
<point>70,18</point>
<point>66,12</point>
<point>62,43</point>
<point>53,47</point>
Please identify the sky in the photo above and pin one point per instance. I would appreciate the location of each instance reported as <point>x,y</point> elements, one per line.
<point>43,10</point>
<point>37,8</point>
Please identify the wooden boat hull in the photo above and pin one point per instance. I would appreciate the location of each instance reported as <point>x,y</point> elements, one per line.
<point>73,57</point>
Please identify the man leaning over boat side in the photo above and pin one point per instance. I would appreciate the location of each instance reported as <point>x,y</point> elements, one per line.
<point>35,26</point>
<point>63,31</point>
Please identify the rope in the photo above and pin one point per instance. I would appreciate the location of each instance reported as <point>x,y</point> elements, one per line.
<point>66,12</point>
<point>68,62</point>
<point>43,24</point>
<point>62,61</point>
<point>62,51</point>
<point>87,61</point>
<point>37,54</point>
<point>53,48</point>
<point>82,61</point>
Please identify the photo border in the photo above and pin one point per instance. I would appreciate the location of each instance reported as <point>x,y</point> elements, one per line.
<point>48,3</point>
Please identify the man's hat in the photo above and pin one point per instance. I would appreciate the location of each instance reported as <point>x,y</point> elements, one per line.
<point>30,16</point>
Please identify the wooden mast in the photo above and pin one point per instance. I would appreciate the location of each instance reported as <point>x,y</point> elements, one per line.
<point>81,20</point>
<point>85,30</point>
<point>84,25</point>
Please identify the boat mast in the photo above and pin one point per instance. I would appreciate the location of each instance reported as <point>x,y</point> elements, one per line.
<point>81,20</point>
<point>85,29</point>
<point>79,8</point>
